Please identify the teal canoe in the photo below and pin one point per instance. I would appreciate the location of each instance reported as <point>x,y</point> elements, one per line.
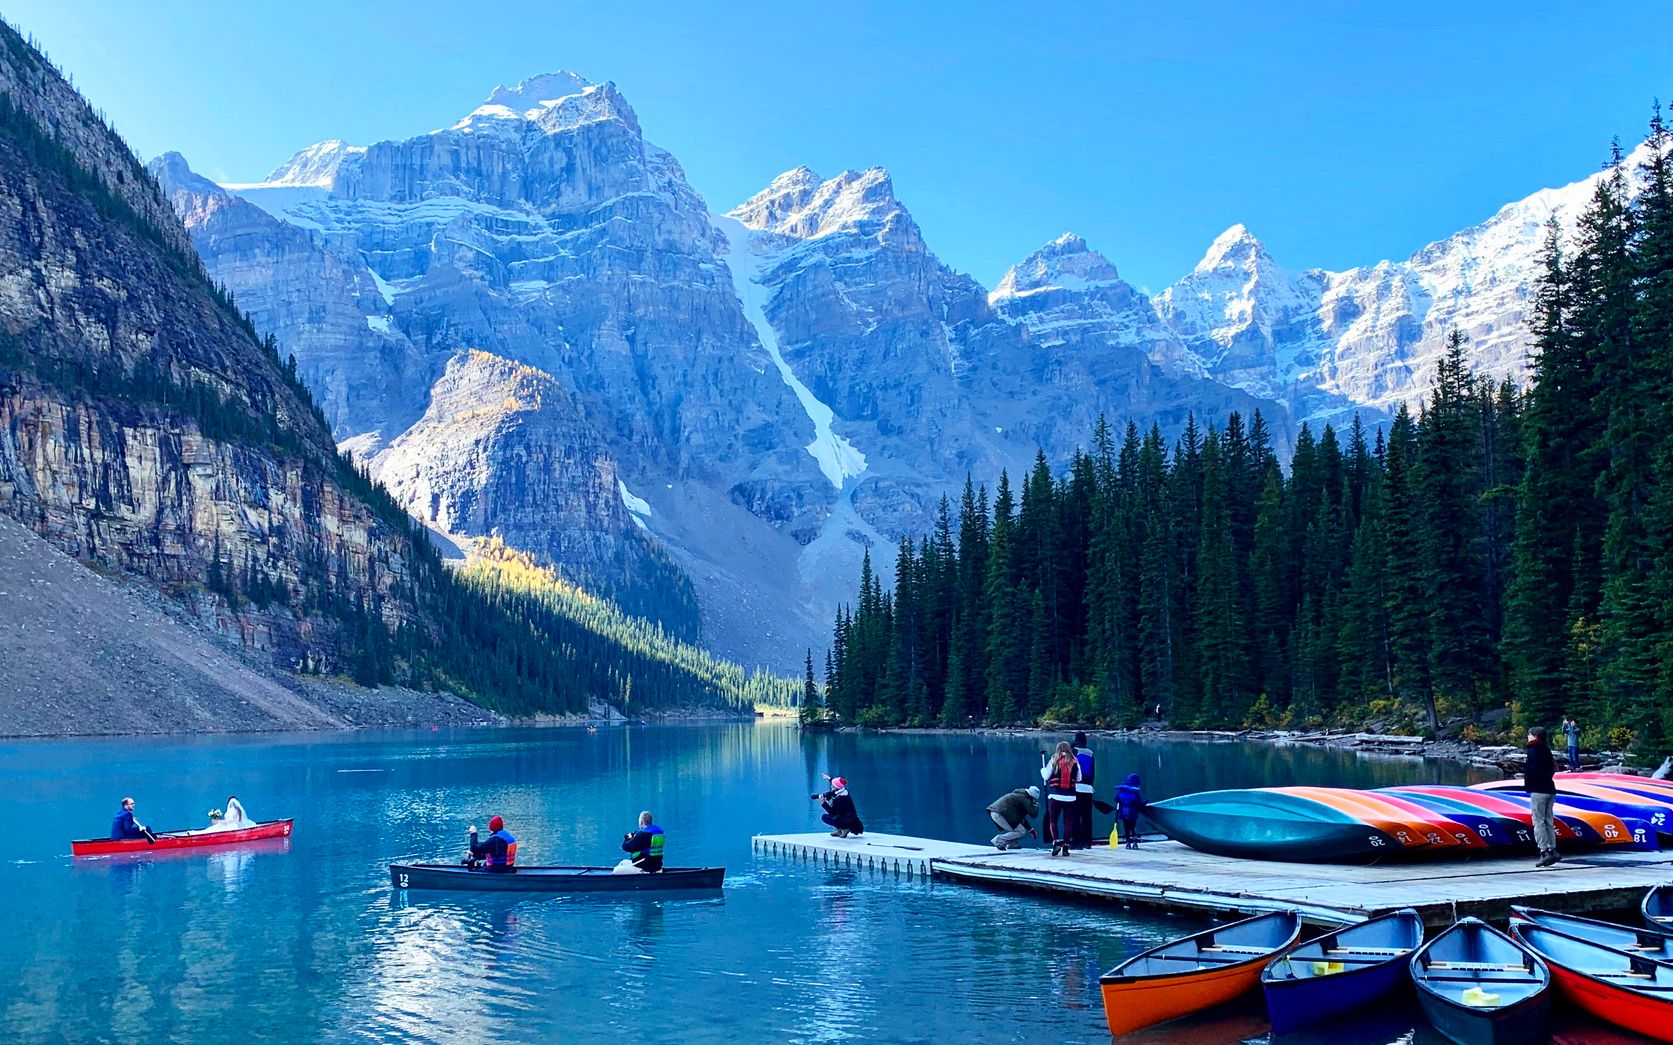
<point>1268,825</point>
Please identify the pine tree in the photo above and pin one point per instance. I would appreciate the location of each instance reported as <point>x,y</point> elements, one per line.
<point>807,711</point>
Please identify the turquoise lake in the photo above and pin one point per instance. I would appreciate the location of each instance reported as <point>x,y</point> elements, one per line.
<point>307,942</point>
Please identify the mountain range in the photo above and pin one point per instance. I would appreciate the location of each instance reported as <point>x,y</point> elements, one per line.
<point>529,325</point>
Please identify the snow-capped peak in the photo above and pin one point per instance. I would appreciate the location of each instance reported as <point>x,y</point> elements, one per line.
<point>1066,263</point>
<point>529,98</point>
<point>799,203</point>
<point>315,167</point>
<point>1235,247</point>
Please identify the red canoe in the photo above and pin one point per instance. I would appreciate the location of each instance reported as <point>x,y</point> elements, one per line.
<point>1628,990</point>
<point>200,838</point>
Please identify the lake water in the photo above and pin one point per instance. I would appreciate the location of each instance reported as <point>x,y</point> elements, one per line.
<point>307,942</point>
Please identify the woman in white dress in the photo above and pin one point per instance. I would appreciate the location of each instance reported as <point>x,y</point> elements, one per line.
<point>233,818</point>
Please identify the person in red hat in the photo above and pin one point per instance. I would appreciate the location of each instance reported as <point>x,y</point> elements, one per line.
<point>840,813</point>
<point>499,851</point>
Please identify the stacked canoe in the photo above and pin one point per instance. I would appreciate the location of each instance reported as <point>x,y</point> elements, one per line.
<point>1474,984</point>
<point>1335,824</point>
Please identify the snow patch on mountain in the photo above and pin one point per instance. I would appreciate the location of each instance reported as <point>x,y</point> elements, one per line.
<point>838,459</point>
<point>528,99</point>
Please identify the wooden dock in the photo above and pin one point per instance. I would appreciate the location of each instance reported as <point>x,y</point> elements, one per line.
<point>1169,876</point>
<point>910,856</point>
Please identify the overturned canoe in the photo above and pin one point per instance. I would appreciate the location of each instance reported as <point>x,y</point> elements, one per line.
<point>1194,972</point>
<point>1268,825</point>
<point>1479,987</point>
<point>1628,990</point>
<point>1497,829</point>
<point>1339,972</point>
<point>201,838</point>
<point>552,879</point>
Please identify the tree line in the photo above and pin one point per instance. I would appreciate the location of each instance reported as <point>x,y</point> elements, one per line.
<point>1496,547</point>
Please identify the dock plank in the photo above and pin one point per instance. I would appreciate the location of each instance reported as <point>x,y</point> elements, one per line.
<point>1169,875</point>
<point>873,849</point>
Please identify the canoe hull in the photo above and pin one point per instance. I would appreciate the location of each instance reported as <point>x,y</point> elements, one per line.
<point>1296,1004</point>
<point>1473,954</point>
<point>1586,973</point>
<point>182,840</point>
<point>1215,966</point>
<point>1527,1023</point>
<point>1375,954</point>
<point>1133,1006</point>
<point>553,879</point>
<point>1273,838</point>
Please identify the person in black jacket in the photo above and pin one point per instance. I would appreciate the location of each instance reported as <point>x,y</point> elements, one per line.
<point>840,813</point>
<point>1539,781</point>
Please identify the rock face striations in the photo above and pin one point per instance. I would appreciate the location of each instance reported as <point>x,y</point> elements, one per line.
<point>143,426</point>
<point>543,231</point>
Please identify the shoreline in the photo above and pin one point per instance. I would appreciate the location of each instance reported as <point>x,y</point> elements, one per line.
<point>1503,759</point>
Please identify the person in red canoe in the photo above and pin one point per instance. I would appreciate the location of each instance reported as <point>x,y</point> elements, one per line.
<point>125,826</point>
<point>499,851</point>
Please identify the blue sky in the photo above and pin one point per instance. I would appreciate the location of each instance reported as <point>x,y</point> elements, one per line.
<point>1340,133</point>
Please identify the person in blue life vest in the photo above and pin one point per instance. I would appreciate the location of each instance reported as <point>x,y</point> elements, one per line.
<point>1081,836</point>
<point>498,852</point>
<point>645,844</point>
<point>1129,801</point>
<point>124,826</point>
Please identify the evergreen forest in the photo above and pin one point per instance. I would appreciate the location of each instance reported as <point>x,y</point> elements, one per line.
<point>1496,548</point>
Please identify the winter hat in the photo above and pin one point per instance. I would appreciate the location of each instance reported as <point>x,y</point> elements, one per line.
<point>840,783</point>
<point>496,824</point>
<point>1035,792</point>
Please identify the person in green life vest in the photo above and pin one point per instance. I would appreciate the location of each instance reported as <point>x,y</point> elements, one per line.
<point>645,844</point>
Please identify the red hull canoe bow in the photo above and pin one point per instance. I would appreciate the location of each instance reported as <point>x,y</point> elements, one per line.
<point>201,838</point>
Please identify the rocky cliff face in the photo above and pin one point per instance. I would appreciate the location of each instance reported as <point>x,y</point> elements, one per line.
<point>142,426</point>
<point>543,230</point>
<point>1095,345</point>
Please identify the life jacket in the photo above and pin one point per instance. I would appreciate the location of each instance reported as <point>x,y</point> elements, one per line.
<point>1063,775</point>
<point>1087,764</point>
<point>510,858</point>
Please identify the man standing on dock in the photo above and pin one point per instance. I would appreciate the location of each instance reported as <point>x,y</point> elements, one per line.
<point>1539,781</point>
<point>1571,730</point>
<point>1082,836</point>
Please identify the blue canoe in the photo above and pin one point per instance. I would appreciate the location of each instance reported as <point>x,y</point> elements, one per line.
<point>1497,830</point>
<point>1477,986</point>
<point>1658,908</point>
<point>1268,825</point>
<point>1342,971</point>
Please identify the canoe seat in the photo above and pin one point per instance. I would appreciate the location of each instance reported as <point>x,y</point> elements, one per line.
<point>1393,952</point>
<point>1477,966</point>
<point>1229,949</point>
<point>1477,979</point>
<point>1197,959</point>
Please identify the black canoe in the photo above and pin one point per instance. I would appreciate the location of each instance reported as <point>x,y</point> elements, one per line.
<point>552,879</point>
<point>1514,1006</point>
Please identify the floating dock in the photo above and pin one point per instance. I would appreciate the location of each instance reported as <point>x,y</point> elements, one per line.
<point>1168,876</point>
<point>909,856</point>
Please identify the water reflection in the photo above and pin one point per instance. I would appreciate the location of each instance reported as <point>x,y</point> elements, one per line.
<point>144,948</point>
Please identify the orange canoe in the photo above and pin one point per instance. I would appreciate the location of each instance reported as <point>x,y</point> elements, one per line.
<point>1410,831</point>
<point>1195,972</point>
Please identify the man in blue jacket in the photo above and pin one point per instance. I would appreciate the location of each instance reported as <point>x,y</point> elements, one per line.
<point>499,851</point>
<point>123,825</point>
<point>645,844</point>
<point>1082,838</point>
